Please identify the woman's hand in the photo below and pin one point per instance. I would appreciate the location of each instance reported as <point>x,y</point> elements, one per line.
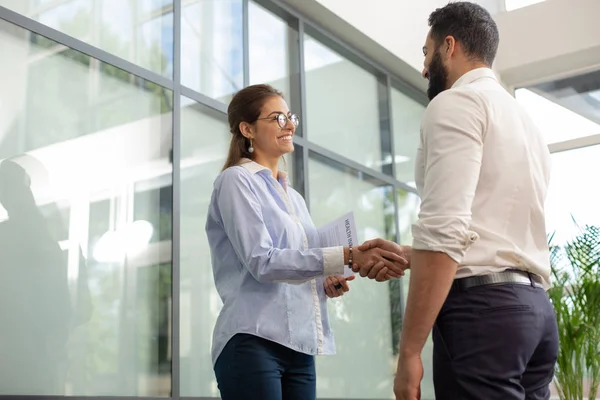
<point>337,285</point>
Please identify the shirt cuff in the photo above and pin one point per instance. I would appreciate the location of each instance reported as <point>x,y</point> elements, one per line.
<point>454,253</point>
<point>333,260</point>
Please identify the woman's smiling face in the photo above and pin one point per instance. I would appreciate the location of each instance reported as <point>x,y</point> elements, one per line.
<point>273,131</point>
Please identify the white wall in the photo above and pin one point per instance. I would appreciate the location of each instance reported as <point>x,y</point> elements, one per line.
<point>548,40</point>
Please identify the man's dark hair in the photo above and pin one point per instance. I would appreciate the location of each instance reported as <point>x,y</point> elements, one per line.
<point>471,25</point>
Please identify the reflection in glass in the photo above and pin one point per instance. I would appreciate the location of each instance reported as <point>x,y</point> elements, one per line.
<point>406,120</point>
<point>342,103</point>
<point>269,53</point>
<point>140,35</point>
<point>204,144</point>
<point>212,51</point>
<point>85,250</point>
<point>361,319</point>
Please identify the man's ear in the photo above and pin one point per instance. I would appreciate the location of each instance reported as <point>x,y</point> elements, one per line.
<point>449,46</point>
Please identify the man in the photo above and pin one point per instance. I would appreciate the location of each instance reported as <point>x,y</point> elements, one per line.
<point>480,259</point>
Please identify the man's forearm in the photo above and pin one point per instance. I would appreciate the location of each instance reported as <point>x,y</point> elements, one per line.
<point>431,276</point>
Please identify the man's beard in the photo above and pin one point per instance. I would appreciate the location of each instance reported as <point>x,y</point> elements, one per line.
<point>438,76</point>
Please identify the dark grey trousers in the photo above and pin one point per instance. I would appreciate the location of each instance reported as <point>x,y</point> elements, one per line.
<point>497,342</point>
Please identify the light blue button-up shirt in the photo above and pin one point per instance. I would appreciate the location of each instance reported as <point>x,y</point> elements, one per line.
<point>268,266</point>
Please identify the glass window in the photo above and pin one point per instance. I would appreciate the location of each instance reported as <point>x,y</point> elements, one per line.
<point>137,34</point>
<point>212,48</point>
<point>84,225</point>
<point>572,200</point>
<point>557,122</point>
<point>269,54</point>
<point>342,105</point>
<point>366,308</point>
<point>406,122</point>
<point>204,142</point>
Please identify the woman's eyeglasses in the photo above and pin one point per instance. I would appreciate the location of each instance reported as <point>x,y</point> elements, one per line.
<point>282,119</point>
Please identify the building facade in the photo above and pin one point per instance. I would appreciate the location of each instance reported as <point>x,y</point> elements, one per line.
<point>112,129</point>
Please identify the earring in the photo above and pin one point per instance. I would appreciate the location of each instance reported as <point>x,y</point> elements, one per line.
<point>250,149</point>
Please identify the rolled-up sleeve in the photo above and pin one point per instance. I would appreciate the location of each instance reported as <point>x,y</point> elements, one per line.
<point>242,219</point>
<point>452,147</point>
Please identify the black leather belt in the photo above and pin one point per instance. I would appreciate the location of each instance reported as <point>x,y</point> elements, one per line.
<point>498,278</point>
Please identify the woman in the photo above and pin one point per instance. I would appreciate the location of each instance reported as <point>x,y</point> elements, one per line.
<point>268,267</point>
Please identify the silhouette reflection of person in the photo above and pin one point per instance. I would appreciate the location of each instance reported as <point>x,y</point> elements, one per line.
<point>36,313</point>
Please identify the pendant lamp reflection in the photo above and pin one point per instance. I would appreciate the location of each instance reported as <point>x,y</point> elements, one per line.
<point>129,241</point>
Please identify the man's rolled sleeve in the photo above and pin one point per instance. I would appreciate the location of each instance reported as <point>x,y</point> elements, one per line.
<point>452,145</point>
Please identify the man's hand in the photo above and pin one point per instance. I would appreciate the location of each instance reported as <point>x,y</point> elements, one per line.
<point>337,285</point>
<point>402,251</point>
<point>378,264</point>
<point>407,385</point>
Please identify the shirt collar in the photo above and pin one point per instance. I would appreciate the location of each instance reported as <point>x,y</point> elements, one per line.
<point>255,168</point>
<point>474,75</point>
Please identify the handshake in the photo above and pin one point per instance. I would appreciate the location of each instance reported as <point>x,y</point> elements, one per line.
<point>380,259</point>
<point>376,259</point>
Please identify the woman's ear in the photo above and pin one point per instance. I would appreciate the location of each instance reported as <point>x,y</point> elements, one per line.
<point>246,130</point>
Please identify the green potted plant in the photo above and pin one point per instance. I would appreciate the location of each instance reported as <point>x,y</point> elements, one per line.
<point>576,298</point>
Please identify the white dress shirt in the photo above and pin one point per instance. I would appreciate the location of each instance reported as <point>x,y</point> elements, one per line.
<point>482,171</point>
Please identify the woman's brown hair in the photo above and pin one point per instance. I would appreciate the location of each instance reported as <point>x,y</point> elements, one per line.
<point>245,106</point>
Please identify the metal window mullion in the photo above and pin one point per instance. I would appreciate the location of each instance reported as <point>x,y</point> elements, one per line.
<point>391,124</point>
<point>296,100</point>
<point>303,110</point>
<point>397,237</point>
<point>409,91</point>
<point>203,99</point>
<point>339,159</point>
<point>302,76</point>
<point>385,131</point>
<point>176,208</point>
<point>397,240</point>
<point>246,40</point>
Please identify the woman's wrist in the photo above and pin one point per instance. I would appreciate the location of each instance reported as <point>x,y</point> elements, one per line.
<point>350,255</point>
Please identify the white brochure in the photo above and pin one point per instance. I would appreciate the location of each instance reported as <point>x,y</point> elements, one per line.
<point>341,232</point>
